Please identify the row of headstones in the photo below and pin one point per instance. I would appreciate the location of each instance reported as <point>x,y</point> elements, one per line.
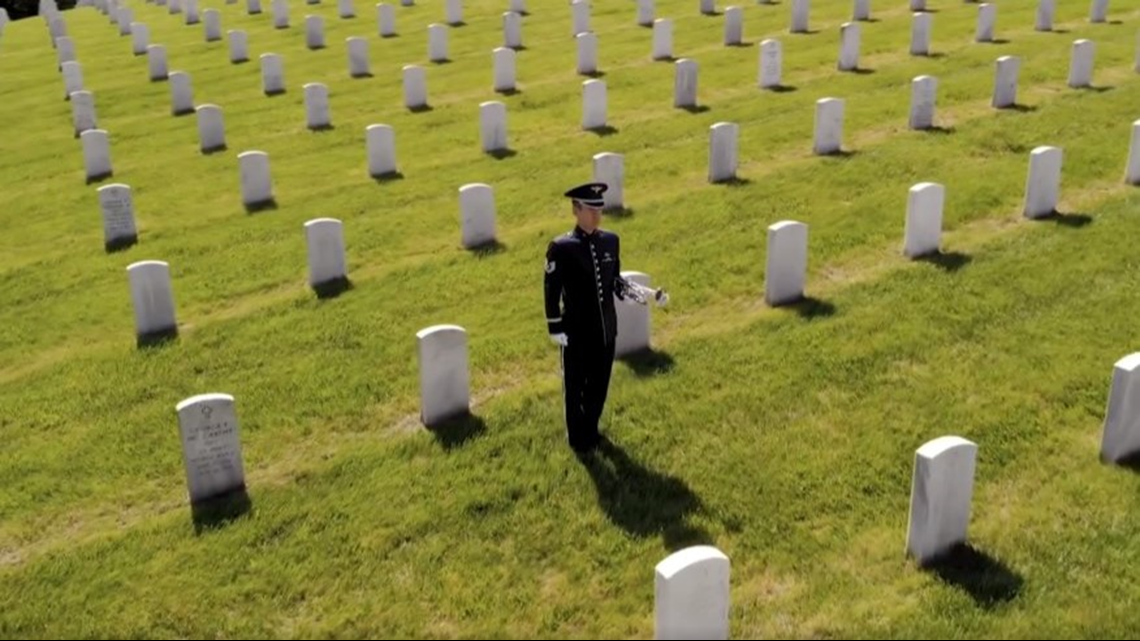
<point>692,587</point>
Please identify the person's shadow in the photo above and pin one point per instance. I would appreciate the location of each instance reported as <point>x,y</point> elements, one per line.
<point>644,502</point>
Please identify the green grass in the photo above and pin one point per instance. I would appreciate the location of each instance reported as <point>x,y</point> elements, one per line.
<point>785,437</point>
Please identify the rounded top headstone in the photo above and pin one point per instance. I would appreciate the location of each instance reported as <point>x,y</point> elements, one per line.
<point>203,398</point>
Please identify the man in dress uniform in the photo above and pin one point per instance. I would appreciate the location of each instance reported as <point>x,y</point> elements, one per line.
<point>583,274</point>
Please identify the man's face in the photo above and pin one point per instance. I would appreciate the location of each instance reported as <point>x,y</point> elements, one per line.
<point>589,218</point>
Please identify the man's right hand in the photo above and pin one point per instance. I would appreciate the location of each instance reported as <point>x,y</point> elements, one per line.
<point>560,339</point>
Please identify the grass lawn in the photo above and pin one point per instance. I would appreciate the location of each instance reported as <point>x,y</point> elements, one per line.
<point>783,436</point>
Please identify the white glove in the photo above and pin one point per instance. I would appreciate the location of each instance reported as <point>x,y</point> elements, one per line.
<point>560,339</point>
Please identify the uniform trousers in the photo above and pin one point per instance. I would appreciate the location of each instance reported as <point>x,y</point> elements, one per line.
<point>586,369</point>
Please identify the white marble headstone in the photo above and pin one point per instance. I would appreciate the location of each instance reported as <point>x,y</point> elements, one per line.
<point>415,86</point>
<point>272,73</point>
<point>849,37</point>
<point>345,9</point>
<point>723,143</point>
<point>314,32</point>
<point>317,114</point>
<point>280,14</point>
<point>1121,439</point>
<point>96,153</point>
<point>662,39</point>
<point>1132,174</point>
<point>239,46</point>
<point>324,239</point>
<point>174,7</point>
<point>118,215</point>
<point>83,111</point>
<point>1081,66</point>
<point>685,83</point>
<point>386,19</point>
<point>211,446</point>
<point>1098,12</point>
<point>125,17</point>
<point>140,38</point>
<point>211,128</point>
<point>256,185</point>
<point>786,272</point>
<point>941,491</point>
<point>800,11</point>
<point>181,93</point>
<point>1045,11</point>
<point>1043,184</point>
<point>476,214</point>
<point>646,12</point>
<point>72,77</point>
<point>65,50</point>
<point>920,34</point>
<point>691,594</point>
<point>771,63</point>
<point>156,62</point>
<point>512,29</point>
<point>454,11</point>
<point>503,61</point>
<point>493,125</point>
<point>579,17</point>
<point>517,6</point>
<point>1005,81</point>
<point>358,63</point>
<point>192,12</point>
<point>987,16</point>
<point>918,5</point>
<point>923,233</point>
<point>437,42</point>
<point>57,28</point>
<point>444,379</point>
<point>152,298</point>
<point>609,168</point>
<point>708,7</point>
<point>587,52</point>
<point>922,95</point>
<point>861,10</point>
<point>633,328</point>
<point>593,104</point>
<point>733,26</point>
<point>828,125</point>
<point>381,146</point>
<point>213,24</point>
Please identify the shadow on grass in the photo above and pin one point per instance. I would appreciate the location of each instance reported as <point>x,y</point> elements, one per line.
<point>332,288</point>
<point>644,502</point>
<point>1075,221</point>
<point>215,513</point>
<point>735,181</point>
<point>122,243</point>
<point>620,212</point>
<point>860,71</point>
<point>696,109</point>
<point>946,261</point>
<point>489,248</point>
<point>1131,462</point>
<point>513,91</point>
<point>457,430</point>
<point>1018,107</point>
<point>781,88</point>
<point>603,131</point>
<point>265,205</point>
<point>986,579</point>
<point>209,151</point>
<point>938,129</point>
<point>419,109</point>
<point>810,307</point>
<point>501,154</point>
<point>157,339</point>
<point>388,177</point>
<point>648,362</point>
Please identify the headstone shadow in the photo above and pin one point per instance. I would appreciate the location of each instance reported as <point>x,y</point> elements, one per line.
<point>458,430</point>
<point>946,261</point>
<point>986,579</point>
<point>810,307</point>
<point>217,512</point>
<point>648,362</point>
<point>1074,220</point>
<point>158,339</point>
<point>489,248</point>
<point>644,502</point>
<point>332,288</point>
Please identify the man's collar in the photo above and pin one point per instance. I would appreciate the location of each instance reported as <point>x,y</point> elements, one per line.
<point>581,233</point>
